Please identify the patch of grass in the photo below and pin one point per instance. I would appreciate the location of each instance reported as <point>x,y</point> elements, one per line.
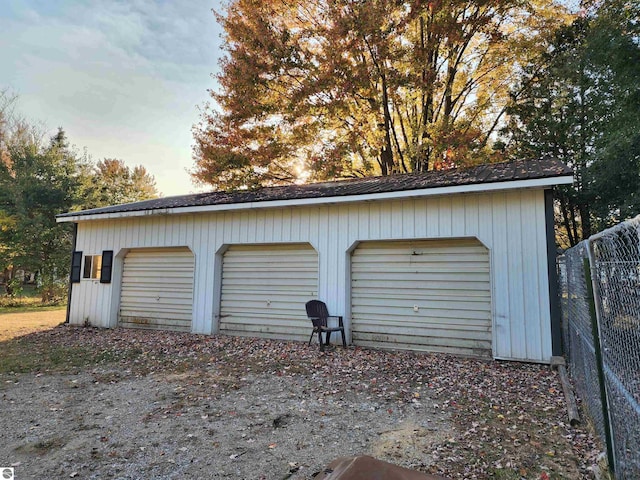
<point>505,474</point>
<point>23,356</point>
<point>20,324</point>
<point>35,354</point>
<point>29,300</point>
<point>30,308</point>
<point>15,357</point>
<point>41,447</point>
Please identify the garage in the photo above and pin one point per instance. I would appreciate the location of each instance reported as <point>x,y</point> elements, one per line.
<point>157,289</point>
<point>430,295</point>
<point>472,249</point>
<point>265,288</point>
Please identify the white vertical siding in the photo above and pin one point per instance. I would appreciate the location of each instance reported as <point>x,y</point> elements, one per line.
<point>509,224</point>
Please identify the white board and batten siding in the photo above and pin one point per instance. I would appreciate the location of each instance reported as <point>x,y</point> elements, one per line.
<point>265,288</point>
<point>510,224</point>
<point>430,295</point>
<point>157,289</point>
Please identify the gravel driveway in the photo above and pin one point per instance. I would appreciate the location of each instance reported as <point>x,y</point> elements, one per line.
<point>127,404</point>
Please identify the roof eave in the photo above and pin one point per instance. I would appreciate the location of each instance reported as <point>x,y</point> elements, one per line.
<point>395,195</point>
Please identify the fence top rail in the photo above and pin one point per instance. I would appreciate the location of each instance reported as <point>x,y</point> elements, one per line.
<point>616,228</point>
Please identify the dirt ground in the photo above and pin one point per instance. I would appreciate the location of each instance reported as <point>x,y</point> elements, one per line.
<point>127,404</point>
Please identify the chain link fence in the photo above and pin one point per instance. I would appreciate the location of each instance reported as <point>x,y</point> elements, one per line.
<point>600,300</point>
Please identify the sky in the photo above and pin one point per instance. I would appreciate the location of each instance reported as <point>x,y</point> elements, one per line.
<point>124,78</point>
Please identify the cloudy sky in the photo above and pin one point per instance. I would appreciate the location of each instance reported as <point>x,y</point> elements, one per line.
<point>124,78</point>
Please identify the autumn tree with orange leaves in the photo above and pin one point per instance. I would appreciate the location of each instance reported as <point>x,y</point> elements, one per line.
<point>326,89</point>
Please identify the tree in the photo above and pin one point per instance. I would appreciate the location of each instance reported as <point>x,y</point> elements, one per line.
<point>113,182</point>
<point>40,181</point>
<point>580,103</point>
<point>613,49</point>
<point>40,178</point>
<point>7,120</point>
<point>343,88</point>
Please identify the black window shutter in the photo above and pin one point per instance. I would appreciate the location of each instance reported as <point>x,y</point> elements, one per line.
<point>107,266</point>
<point>76,267</point>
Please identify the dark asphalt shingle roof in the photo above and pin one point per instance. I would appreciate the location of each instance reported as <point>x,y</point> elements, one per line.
<point>488,173</point>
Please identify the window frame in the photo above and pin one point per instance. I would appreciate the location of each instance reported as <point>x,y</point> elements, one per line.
<point>92,267</point>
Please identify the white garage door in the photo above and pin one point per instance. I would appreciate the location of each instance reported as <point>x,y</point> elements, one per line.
<point>265,288</point>
<point>157,289</point>
<point>422,295</point>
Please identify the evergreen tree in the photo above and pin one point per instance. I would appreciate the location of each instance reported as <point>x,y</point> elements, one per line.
<point>581,104</point>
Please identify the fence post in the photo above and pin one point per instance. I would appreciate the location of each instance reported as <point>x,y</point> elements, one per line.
<point>599,362</point>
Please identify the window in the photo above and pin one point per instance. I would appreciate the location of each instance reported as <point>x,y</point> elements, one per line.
<point>92,266</point>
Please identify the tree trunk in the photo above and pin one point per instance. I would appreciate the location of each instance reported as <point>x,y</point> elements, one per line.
<point>8,276</point>
<point>430,53</point>
<point>386,153</point>
<point>565,221</point>
<point>585,218</point>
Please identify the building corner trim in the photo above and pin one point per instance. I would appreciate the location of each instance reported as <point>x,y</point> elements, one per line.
<point>554,304</point>
<point>73,249</point>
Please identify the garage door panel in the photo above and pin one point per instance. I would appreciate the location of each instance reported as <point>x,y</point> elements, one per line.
<point>427,270</point>
<point>468,303</point>
<point>441,328</point>
<point>153,306</point>
<point>265,288</point>
<point>263,300</point>
<point>413,293</point>
<point>434,344</point>
<point>382,284</point>
<point>173,315</point>
<point>433,259</point>
<point>249,263</point>
<point>409,341</point>
<point>281,279</point>
<point>277,321</point>
<point>276,303</point>
<point>270,331</point>
<point>279,328</point>
<point>154,292</point>
<point>157,289</point>
<point>158,324</point>
<point>151,310</point>
<point>418,325</point>
<point>152,275</point>
<point>430,349</point>
<point>418,248</point>
<point>159,261</point>
<point>266,273</point>
<point>255,309</point>
<point>424,312</point>
<point>449,281</point>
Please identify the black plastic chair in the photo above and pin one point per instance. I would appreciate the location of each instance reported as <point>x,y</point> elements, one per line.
<point>318,314</point>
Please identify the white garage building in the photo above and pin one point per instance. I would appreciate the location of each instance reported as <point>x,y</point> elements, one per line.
<point>457,261</point>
